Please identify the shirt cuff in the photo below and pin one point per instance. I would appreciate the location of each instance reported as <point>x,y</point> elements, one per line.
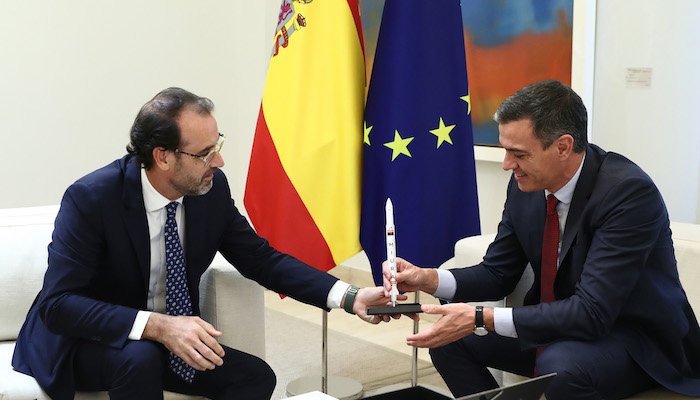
<point>335,296</point>
<point>447,285</point>
<point>139,325</point>
<point>503,322</point>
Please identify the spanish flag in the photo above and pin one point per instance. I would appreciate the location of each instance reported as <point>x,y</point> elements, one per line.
<point>303,187</point>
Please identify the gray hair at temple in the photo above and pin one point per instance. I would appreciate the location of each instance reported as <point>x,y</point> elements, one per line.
<point>156,123</point>
<point>554,110</point>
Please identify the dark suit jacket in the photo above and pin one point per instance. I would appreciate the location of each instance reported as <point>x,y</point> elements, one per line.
<point>618,273</point>
<point>99,261</point>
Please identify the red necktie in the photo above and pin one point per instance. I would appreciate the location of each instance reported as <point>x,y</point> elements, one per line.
<point>550,251</point>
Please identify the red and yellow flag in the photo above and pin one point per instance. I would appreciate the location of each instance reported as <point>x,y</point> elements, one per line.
<point>303,187</point>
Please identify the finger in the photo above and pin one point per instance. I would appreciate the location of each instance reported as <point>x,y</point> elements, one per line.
<point>433,309</point>
<point>213,345</point>
<point>401,264</point>
<point>209,354</point>
<point>413,316</point>
<point>208,327</point>
<point>209,337</point>
<point>204,357</point>
<point>420,339</point>
<point>192,357</point>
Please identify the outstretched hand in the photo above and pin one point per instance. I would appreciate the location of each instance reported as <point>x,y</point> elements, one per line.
<point>375,296</point>
<point>456,322</point>
<point>189,337</point>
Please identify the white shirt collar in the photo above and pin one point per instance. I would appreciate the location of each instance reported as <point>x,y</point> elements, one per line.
<point>566,193</point>
<point>152,199</point>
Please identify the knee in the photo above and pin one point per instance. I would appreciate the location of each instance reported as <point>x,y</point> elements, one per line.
<point>257,382</point>
<point>438,355</point>
<point>266,376</point>
<point>140,360</point>
<point>446,356</point>
<point>558,358</point>
<point>572,379</point>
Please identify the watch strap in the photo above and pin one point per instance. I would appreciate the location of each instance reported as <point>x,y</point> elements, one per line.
<point>349,300</point>
<point>479,317</point>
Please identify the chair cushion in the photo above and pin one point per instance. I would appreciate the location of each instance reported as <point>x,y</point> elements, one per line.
<point>686,244</point>
<point>18,386</point>
<point>24,238</point>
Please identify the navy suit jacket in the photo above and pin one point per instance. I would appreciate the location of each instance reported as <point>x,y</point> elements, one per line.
<point>617,275</point>
<point>99,267</point>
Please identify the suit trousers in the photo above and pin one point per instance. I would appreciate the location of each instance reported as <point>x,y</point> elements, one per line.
<point>140,370</point>
<point>599,369</point>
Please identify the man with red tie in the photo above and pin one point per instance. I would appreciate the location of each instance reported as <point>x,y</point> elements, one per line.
<point>606,311</point>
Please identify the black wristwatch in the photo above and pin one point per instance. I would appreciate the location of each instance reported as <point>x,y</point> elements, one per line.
<point>349,300</point>
<point>480,328</point>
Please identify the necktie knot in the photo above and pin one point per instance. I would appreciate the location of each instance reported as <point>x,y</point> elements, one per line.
<point>552,202</point>
<point>171,208</point>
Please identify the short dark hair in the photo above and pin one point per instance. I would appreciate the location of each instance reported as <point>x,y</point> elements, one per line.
<point>554,110</point>
<point>156,123</point>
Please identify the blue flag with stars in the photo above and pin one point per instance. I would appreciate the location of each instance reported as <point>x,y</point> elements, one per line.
<point>418,143</point>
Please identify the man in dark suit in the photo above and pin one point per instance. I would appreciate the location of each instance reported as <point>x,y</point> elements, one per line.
<point>118,308</point>
<point>610,317</point>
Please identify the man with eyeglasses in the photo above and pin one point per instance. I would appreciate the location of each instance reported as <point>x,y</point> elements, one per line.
<point>118,309</point>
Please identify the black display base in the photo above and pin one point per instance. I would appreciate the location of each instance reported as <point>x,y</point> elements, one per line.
<point>412,393</point>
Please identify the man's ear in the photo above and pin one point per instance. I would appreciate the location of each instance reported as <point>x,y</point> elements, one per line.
<point>565,145</point>
<point>161,158</point>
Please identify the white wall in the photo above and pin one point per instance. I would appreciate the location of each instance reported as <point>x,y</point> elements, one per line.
<point>74,73</point>
<point>654,126</point>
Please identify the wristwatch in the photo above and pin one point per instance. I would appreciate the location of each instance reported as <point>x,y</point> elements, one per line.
<point>349,300</point>
<point>480,328</point>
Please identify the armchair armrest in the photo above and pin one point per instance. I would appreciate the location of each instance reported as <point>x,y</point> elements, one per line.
<point>470,251</point>
<point>235,305</point>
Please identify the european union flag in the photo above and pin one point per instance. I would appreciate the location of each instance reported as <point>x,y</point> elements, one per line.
<point>418,143</point>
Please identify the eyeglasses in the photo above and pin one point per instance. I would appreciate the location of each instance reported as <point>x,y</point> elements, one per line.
<point>207,158</point>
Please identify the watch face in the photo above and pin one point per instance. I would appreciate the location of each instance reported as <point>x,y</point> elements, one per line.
<point>480,331</point>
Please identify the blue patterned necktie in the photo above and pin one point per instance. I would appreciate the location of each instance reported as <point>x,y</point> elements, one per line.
<point>177,297</point>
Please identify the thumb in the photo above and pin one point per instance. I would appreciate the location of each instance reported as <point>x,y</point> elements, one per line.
<point>432,309</point>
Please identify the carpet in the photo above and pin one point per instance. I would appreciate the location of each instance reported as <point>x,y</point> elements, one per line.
<point>293,350</point>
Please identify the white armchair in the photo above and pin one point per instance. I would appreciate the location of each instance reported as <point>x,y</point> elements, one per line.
<point>232,303</point>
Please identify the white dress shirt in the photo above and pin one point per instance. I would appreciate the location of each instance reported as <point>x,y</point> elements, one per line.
<point>503,316</point>
<point>155,203</point>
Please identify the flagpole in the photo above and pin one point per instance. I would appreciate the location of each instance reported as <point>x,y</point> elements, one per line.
<point>336,386</point>
<point>324,353</point>
<point>414,367</point>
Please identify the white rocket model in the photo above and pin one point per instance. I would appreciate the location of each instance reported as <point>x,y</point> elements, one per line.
<point>391,249</point>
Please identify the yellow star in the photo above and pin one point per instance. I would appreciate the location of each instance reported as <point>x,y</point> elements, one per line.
<point>468,99</point>
<point>399,146</point>
<point>443,133</point>
<point>367,130</point>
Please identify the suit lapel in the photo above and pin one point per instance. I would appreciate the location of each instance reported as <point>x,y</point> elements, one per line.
<point>196,230</point>
<point>135,216</point>
<point>582,193</point>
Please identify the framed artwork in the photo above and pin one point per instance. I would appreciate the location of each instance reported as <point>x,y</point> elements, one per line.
<point>508,44</point>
